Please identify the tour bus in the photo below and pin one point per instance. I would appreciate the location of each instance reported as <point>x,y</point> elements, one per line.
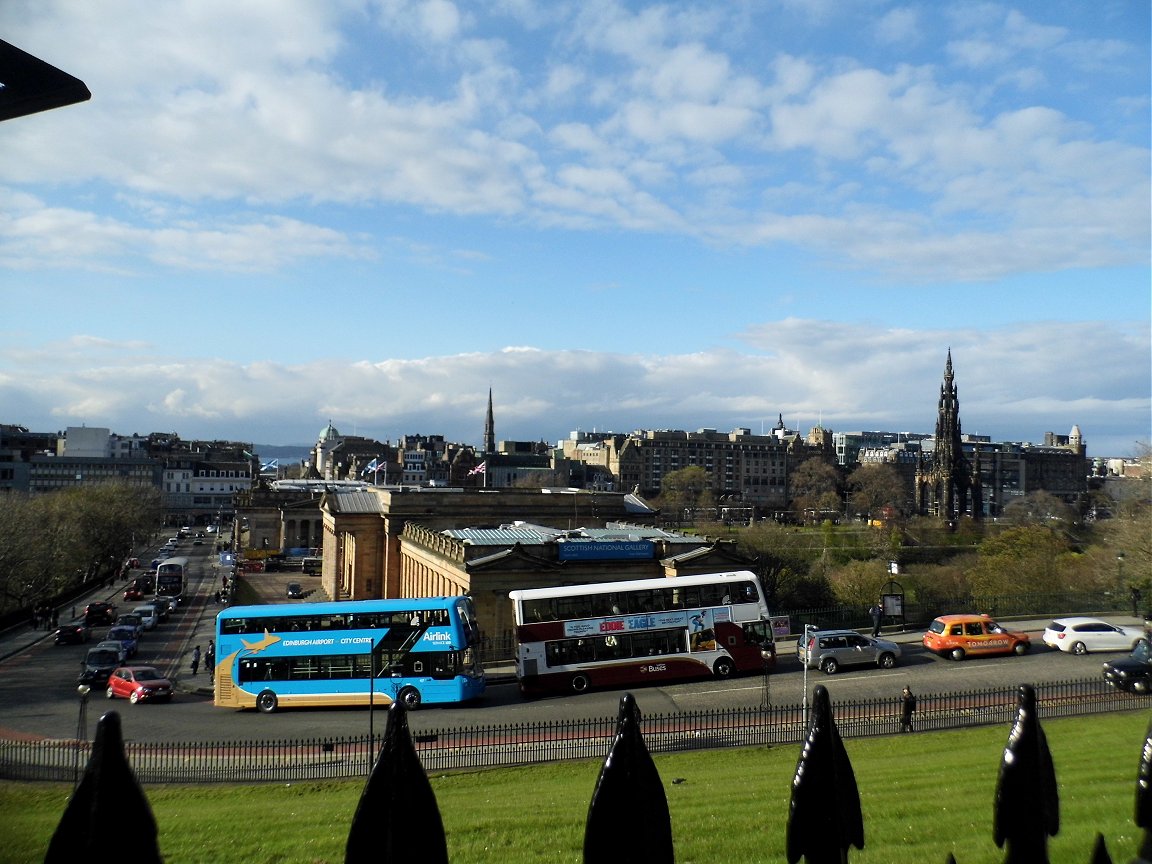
<point>574,637</point>
<point>350,652</point>
<point>170,575</point>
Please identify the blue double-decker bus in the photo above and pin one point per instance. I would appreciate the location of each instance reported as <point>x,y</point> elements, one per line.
<point>353,652</point>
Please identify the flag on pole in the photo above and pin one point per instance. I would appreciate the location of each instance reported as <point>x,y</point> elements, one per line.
<point>370,467</point>
<point>270,465</point>
<point>482,468</point>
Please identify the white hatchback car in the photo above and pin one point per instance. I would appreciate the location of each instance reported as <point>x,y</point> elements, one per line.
<point>1083,635</point>
<point>149,616</point>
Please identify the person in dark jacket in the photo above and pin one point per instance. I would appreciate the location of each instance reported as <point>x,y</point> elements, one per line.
<point>907,709</point>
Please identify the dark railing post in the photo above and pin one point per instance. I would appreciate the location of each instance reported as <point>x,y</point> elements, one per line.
<point>397,818</point>
<point>628,817</point>
<point>824,816</point>
<point>1027,810</point>
<point>108,795</point>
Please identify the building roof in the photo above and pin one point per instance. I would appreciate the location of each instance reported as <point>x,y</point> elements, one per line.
<point>353,502</point>
<point>528,534</point>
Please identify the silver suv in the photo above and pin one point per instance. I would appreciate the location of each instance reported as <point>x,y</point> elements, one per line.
<point>829,650</point>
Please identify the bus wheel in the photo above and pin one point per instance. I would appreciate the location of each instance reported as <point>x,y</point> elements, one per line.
<point>723,667</point>
<point>266,702</point>
<point>580,683</point>
<point>409,697</point>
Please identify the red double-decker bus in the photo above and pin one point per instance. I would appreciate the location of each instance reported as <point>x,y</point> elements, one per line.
<point>612,634</point>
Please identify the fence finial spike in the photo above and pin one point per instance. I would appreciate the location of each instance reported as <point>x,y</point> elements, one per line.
<point>1144,799</point>
<point>628,817</point>
<point>397,818</point>
<point>1100,851</point>
<point>824,816</point>
<point>108,795</point>
<point>1027,806</point>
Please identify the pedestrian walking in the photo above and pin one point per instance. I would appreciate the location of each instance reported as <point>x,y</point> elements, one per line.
<point>907,709</point>
<point>877,613</point>
<point>210,660</point>
<point>195,659</point>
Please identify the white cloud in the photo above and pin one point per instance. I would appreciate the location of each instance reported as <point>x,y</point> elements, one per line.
<point>1014,385</point>
<point>214,106</point>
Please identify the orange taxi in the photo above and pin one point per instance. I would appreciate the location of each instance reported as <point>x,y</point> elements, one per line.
<point>960,636</point>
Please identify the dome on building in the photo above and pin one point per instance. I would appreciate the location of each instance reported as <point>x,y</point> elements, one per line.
<point>328,433</point>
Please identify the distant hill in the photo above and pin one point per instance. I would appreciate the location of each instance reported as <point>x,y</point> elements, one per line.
<point>288,454</point>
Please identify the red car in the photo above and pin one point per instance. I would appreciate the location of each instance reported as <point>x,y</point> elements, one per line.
<point>133,593</point>
<point>139,684</point>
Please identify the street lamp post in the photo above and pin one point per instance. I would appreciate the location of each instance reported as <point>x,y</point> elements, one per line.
<point>81,731</point>
<point>804,636</point>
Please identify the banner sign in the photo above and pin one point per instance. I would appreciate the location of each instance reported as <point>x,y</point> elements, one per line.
<point>607,550</point>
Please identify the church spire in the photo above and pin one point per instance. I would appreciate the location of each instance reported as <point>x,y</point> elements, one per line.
<point>489,428</point>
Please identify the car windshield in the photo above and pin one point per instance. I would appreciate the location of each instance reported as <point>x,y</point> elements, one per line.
<point>103,658</point>
<point>147,675</point>
<point>1143,652</point>
<point>120,633</point>
<point>936,626</point>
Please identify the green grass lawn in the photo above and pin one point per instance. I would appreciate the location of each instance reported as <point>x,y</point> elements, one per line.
<point>924,796</point>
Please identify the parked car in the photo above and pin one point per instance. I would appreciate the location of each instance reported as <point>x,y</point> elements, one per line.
<point>294,590</point>
<point>72,634</point>
<point>1132,673</point>
<point>829,650</point>
<point>1082,635</point>
<point>149,617</point>
<point>99,613</point>
<point>126,636</point>
<point>138,684</point>
<point>117,646</point>
<point>960,636</point>
<point>97,665</point>
<point>164,605</point>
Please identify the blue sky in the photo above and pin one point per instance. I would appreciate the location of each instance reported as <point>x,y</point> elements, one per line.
<point>616,215</point>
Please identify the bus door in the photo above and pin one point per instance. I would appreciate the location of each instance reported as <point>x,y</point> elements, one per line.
<point>393,652</point>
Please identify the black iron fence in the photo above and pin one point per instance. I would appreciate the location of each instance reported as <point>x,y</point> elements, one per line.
<point>398,818</point>
<point>529,743</point>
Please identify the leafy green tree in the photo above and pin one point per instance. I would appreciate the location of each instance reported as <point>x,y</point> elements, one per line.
<point>858,583</point>
<point>53,542</point>
<point>688,488</point>
<point>1022,559</point>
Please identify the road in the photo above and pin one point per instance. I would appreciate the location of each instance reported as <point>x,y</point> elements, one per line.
<point>38,695</point>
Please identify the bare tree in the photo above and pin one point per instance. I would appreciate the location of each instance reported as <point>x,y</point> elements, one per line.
<point>815,489</point>
<point>876,488</point>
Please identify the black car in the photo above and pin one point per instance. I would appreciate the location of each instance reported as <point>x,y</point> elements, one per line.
<point>97,665</point>
<point>294,590</point>
<point>1132,673</point>
<point>99,613</point>
<point>72,634</point>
